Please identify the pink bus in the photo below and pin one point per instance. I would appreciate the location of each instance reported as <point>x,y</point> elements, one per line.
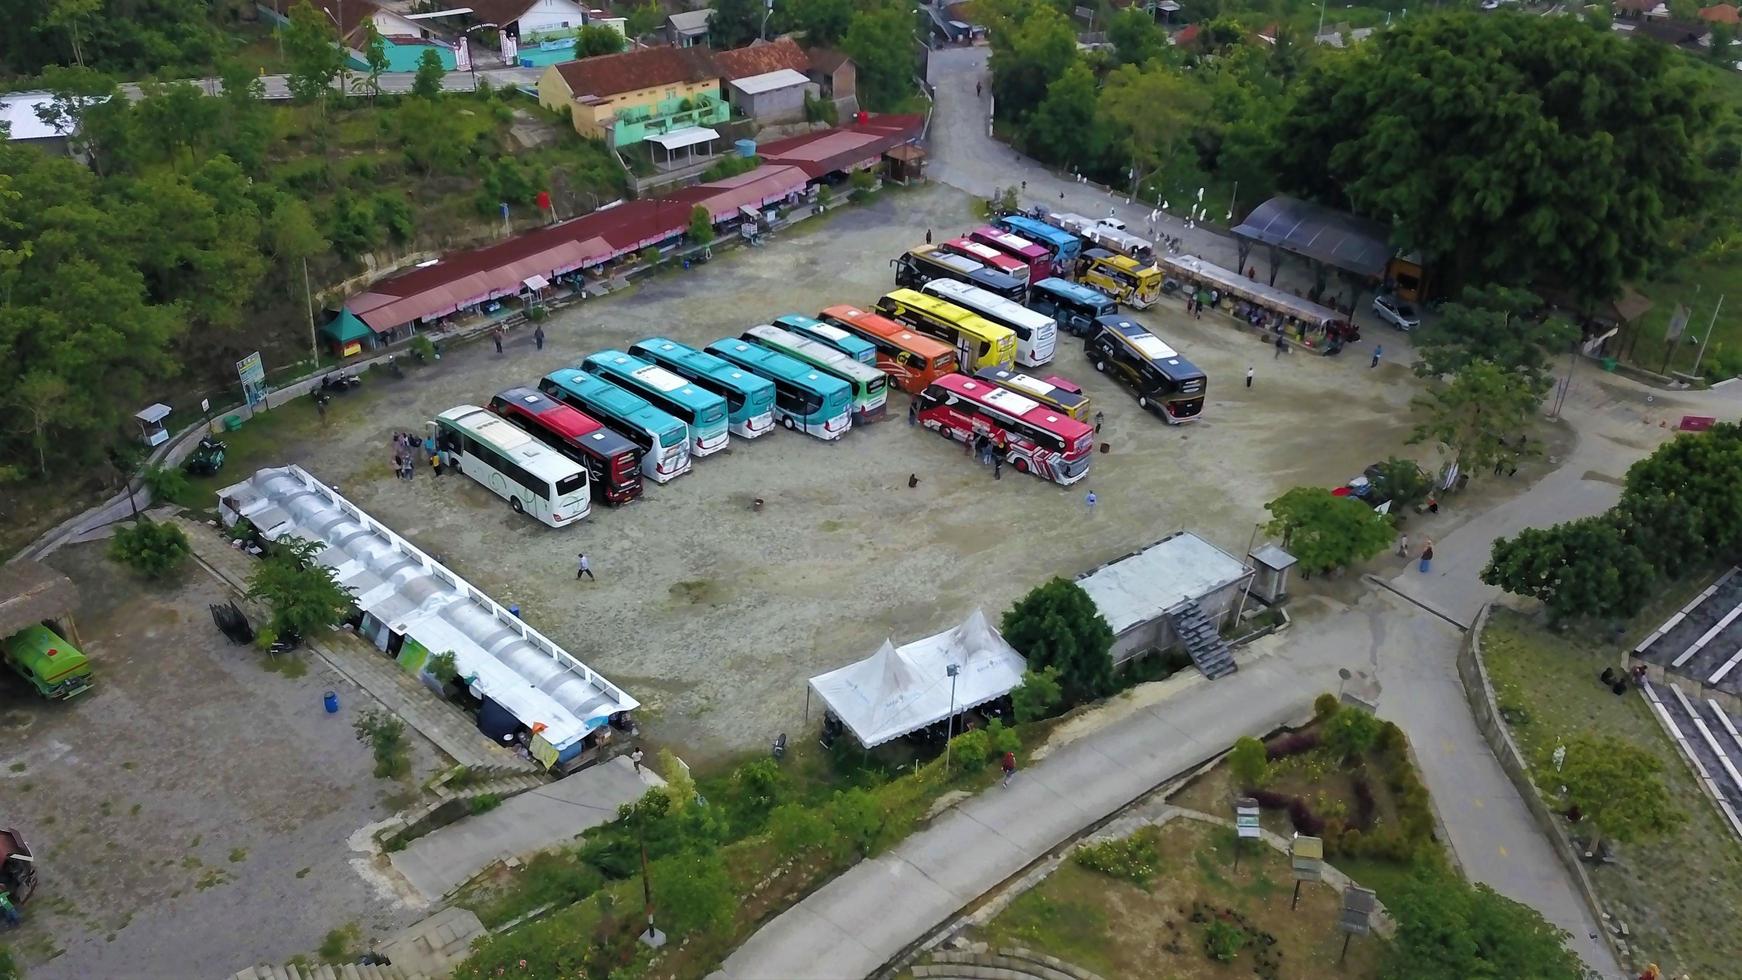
<point>1036,257</point>
<point>990,257</point>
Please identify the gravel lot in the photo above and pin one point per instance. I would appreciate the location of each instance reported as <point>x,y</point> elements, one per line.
<point>714,615</point>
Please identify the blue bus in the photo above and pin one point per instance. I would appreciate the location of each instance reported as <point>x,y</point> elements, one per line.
<point>749,399</point>
<point>848,344</point>
<point>702,410</point>
<point>805,399</point>
<point>664,441</point>
<point>1065,247</point>
<point>1075,306</point>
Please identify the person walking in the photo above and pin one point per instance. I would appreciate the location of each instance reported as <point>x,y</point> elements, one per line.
<point>496,335</point>
<point>1281,347</point>
<point>538,336</point>
<point>998,467</point>
<point>429,447</point>
<point>1433,504</point>
<point>928,236</point>
<point>435,464</point>
<point>913,411</point>
<point>977,92</point>
<point>1100,417</point>
<point>1427,555</point>
<point>635,758</point>
<point>1008,764</point>
<point>398,466</point>
<point>1248,375</point>
<point>1403,546</point>
<point>1090,501</point>
<point>1378,349</point>
<point>583,567</point>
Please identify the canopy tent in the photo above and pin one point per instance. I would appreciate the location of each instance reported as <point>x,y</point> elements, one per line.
<point>898,690</point>
<point>346,328</point>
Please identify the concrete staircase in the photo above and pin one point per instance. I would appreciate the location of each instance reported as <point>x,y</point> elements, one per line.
<point>397,689</point>
<point>1201,640</point>
<point>1710,743</point>
<point>326,971</point>
<point>978,962</point>
<point>497,782</point>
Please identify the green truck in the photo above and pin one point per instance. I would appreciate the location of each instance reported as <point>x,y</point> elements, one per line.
<point>54,667</point>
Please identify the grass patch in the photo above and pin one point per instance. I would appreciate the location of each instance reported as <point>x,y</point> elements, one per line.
<point>238,855</point>
<point>302,873</point>
<point>18,766</point>
<point>1678,894</point>
<point>289,665</point>
<point>340,944</point>
<point>697,592</point>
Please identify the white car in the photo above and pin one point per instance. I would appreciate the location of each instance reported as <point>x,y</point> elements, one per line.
<point>1399,314</point>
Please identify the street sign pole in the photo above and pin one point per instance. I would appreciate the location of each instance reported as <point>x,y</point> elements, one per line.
<point>1245,824</point>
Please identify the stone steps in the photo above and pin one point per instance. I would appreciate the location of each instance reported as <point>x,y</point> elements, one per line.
<point>1202,641</point>
<point>1706,744</point>
<point>977,962</point>
<point>326,971</point>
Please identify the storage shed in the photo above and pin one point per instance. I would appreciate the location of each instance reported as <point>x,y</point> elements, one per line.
<point>1141,594</point>
<point>773,97</point>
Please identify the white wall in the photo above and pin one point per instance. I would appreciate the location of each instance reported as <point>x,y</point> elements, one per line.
<point>547,17</point>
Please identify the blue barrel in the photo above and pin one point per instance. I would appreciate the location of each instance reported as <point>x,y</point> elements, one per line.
<point>746,148</point>
<point>515,609</point>
<point>331,700</point>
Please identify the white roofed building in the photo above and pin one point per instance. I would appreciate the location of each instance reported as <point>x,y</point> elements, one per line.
<point>1143,594</point>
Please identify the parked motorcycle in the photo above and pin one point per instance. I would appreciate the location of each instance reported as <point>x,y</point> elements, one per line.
<point>394,368</point>
<point>339,383</point>
<point>779,749</point>
<point>206,459</point>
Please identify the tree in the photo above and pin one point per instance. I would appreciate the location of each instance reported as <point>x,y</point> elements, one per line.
<point>427,83</point>
<point>1472,416</point>
<point>1681,504</point>
<point>71,17</point>
<point>312,53</point>
<point>1585,567</point>
<point>597,39</point>
<point>1404,482</point>
<point>375,55</point>
<point>40,401</point>
<point>823,22</point>
<point>1135,37</point>
<point>429,136</point>
<point>1616,787</point>
<point>1038,695</point>
<point>858,820</point>
<point>1494,324</point>
<point>1249,763</point>
<point>701,226</point>
<point>880,41</point>
<point>1064,129</point>
<point>643,19</point>
<point>1448,929</point>
<point>293,237</point>
<point>150,548</point>
<point>1057,625</point>
<point>692,891</point>
<point>302,594</point>
<point>735,23</point>
<point>1152,109</point>
<point>1491,145</point>
<point>1031,49</point>
<point>1350,733</point>
<point>1324,531</point>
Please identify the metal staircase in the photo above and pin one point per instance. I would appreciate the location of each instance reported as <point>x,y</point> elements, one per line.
<point>1201,640</point>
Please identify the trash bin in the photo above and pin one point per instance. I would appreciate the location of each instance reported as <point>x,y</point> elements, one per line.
<point>1608,364</point>
<point>232,423</point>
<point>331,700</point>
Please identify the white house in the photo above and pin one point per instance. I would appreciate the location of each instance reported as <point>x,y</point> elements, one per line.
<point>531,21</point>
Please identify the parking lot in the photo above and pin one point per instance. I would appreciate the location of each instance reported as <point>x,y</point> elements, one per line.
<point>192,811</point>
<point>713,614</point>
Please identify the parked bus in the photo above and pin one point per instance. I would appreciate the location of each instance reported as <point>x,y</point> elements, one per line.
<point>911,360</point>
<point>805,399</point>
<point>54,668</point>
<point>858,349</point>
<point>749,399</point>
<point>1065,247</point>
<point>613,463</point>
<point>534,478</point>
<point>1053,392</point>
<point>1162,379</point>
<point>1032,437</point>
<point>1037,257</point>
<point>929,262</point>
<point>698,408</point>
<point>1073,306</point>
<point>1122,277</point>
<point>979,342</point>
<point>989,257</point>
<point>1036,333</point>
<point>870,387</point>
<point>664,441</point>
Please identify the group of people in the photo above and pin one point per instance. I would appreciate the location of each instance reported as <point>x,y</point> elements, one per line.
<point>1426,557</point>
<point>989,453</point>
<point>406,446</point>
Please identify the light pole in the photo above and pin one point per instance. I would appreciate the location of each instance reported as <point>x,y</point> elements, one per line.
<point>653,938</point>
<point>950,725</point>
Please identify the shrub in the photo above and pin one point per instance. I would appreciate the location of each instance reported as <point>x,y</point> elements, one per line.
<point>1269,799</point>
<point>393,211</point>
<point>385,736</point>
<point>442,666</point>
<point>820,110</point>
<point>1038,696</point>
<point>1134,859</point>
<point>1002,739</point>
<point>649,255</point>
<point>972,750</point>
<point>424,347</point>
<point>1365,807</point>
<point>1223,940</point>
<point>150,548</point>
<point>1249,763</point>
<point>166,483</point>
<point>1293,743</point>
<point>1391,739</point>
<point>858,819</point>
<point>1304,820</point>
<point>797,829</point>
<point>1350,733</point>
<point>485,802</point>
<point>1326,705</point>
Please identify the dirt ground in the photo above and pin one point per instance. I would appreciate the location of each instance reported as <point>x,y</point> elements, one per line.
<point>713,615</point>
<point>191,812</point>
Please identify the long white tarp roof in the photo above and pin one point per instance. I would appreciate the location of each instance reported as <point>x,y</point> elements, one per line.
<point>899,690</point>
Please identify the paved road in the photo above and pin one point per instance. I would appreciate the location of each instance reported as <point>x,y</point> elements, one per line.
<point>394,83</point>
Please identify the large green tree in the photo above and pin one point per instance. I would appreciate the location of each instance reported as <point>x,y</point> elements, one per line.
<point>1681,502</point>
<point>1135,36</point>
<point>822,21</point>
<point>735,23</point>
<point>1032,47</point>
<point>597,39</point>
<point>1586,567</point>
<point>1476,416</point>
<point>1324,531</point>
<point>1065,129</point>
<point>1448,929</point>
<point>1057,625</point>
<point>312,53</point>
<point>1508,148</point>
<point>1616,786</point>
<point>303,595</point>
<point>1494,324</point>
<point>881,42</point>
<point>1151,110</point>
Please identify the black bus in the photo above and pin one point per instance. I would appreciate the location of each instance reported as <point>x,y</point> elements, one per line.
<point>1162,379</point>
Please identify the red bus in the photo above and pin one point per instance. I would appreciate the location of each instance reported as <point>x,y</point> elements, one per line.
<point>613,463</point>
<point>992,258</point>
<point>1032,437</point>
<point>911,360</point>
<point>1036,257</point>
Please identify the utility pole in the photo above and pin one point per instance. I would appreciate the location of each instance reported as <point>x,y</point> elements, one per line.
<point>652,937</point>
<point>950,725</point>
<point>1708,338</point>
<point>314,346</point>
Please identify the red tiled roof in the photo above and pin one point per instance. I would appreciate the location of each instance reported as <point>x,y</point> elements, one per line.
<point>1721,13</point>
<point>760,59</point>
<point>827,60</point>
<point>829,150</point>
<point>1186,35</point>
<point>612,74</point>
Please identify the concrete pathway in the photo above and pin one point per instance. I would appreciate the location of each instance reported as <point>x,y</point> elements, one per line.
<point>277,87</point>
<point>439,862</point>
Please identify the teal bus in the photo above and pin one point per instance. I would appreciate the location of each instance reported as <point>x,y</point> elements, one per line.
<point>805,399</point>
<point>841,340</point>
<point>702,410</point>
<point>749,399</point>
<point>664,441</point>
<point>870,386</point>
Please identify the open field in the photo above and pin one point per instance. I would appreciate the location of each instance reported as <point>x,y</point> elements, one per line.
<point>714,615</point>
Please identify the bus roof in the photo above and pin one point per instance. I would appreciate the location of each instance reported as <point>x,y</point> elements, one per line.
<point>1039,231</point>
<point>1015,243</point>
<point>512,441</point>
<point>778,364</point>
<point>626,405</point>
<point>1166,360</point>
<point>1074,291</point>
<point>1124,262</point>
<point>815,351</point>
<point>896,333</point>
<point>1020,406</point>
<point>988,304</point>
<point>713,368</point>
<point>567,421</point>
<point>834,334</point>
<point>985,254</point>
<point>967,321</point>
<point>937,255</point>
<point>652,375</point>
<point>45,653</point>
<point>1071,395</point>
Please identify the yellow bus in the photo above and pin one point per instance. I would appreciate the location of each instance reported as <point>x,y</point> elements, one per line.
<point>1122,277</point>
<point>979,342</point>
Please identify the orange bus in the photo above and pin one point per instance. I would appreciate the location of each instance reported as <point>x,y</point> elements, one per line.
<point>912,360</point>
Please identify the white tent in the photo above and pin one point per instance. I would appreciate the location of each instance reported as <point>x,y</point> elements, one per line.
<point>899,690</point>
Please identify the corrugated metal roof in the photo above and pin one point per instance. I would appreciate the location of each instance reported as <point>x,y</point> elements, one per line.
<point>758,84</point>
<point>1336,238</point>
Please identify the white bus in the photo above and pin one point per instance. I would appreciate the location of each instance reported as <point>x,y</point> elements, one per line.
<point>1036,333</point>
<point>534,478</point>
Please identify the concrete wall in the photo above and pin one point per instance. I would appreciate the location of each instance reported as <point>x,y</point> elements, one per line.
<point>779,106</point>
<point>1158,633</point>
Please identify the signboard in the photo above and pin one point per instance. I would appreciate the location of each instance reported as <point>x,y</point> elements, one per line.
<point>1308,856</point>
<point>1357,916</point>
<point>1246,818</point>
<point>253,375</point>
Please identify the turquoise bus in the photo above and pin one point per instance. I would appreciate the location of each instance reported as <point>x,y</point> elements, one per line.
<point>1065,247</point>
<point>805,399</point>
<point>702,410</point>
<point>841,340</point>
<point>870,386</point>
<point>749,399</point>
<point>664,441</point>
